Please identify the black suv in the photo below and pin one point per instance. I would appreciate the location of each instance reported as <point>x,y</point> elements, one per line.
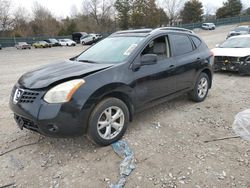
<point>99,91</point>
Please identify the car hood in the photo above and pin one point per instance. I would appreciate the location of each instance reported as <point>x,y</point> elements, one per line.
<point>231,52</point>
<point>49,74</point>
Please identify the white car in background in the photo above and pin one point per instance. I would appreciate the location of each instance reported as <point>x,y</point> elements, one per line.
<point>90,38</point>
<point>208,26</point>
<point>67,42</point>
<point>233,55</point>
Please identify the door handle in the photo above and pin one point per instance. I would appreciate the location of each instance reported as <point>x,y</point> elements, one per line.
<point>171,66</point>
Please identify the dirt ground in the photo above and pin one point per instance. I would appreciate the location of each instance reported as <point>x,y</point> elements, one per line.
<point>167,140</point>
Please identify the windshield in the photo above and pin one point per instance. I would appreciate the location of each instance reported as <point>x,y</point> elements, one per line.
<point>111,50</point>
<point>241,29</point>
<point>239,42</point>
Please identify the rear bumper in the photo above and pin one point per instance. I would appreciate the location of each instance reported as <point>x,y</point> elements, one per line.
<point>56,120</point>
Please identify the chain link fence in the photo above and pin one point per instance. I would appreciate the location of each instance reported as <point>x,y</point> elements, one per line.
<point>218,22</point>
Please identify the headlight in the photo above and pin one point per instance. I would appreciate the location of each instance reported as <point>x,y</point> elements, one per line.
<point>63,92</point>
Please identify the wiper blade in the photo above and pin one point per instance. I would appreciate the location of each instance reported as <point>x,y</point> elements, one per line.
<point>86,61</point>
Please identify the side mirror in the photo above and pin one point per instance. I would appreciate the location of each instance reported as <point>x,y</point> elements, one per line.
<point>148,59</point>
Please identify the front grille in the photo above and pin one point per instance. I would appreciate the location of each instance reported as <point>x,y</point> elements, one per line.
<point>226,63</point>
<point>28,96</point>
<point>26,123</point>
<point>226,58</point>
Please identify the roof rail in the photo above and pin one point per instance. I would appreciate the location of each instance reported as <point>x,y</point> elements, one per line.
<point>174,29</point>
<point>134,31</point>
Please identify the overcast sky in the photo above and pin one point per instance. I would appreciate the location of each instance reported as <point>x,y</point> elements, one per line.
<point>63,8</point>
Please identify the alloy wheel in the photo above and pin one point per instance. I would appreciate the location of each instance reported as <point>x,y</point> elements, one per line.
<point>110,122</point>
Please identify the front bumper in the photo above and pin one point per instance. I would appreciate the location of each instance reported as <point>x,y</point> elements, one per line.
<point>231,64</point>
<point>56,120</point>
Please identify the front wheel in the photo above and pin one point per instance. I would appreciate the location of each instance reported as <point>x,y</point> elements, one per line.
<point>108,121</point>
<point>200,91</point>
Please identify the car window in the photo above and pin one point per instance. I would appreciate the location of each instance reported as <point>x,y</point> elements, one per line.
<point>159,46</point>
<point>181,44</point>
<point>196,41</point>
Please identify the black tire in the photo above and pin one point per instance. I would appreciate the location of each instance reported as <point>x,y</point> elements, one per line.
<point>98,113</point>
<point>194,94</point>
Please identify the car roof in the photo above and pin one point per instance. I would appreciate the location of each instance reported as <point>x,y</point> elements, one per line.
<point>147,32</point>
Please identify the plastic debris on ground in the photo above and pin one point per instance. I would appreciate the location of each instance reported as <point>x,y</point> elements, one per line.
<point>241,125</point>
<point>122,149</point>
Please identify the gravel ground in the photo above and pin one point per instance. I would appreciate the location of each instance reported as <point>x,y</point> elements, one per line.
<point>167,140</point>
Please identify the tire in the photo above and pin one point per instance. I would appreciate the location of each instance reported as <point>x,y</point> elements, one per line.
<point>100,114</point>
<point>200,91</point>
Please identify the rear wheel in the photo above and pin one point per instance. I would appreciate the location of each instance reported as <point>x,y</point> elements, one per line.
<point>108,121</point>
<point>200,91</point>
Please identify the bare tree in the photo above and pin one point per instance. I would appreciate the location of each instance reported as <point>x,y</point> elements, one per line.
<point>173,9</point>
<point>44,23</point>
<point>209,11</point>
<point>21,22</point>
<point>99,10</point>
<point>5,18</point>
<point>99,14</point>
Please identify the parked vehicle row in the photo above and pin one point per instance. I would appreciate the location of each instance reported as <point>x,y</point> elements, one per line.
<point>48,43</point>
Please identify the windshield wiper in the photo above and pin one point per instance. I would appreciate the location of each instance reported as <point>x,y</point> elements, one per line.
<point>86,61</point>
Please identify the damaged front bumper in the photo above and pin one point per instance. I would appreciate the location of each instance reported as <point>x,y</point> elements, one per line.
<point>236,64</point>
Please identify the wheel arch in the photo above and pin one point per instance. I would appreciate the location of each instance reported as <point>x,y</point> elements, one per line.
<point>116,90</point>
<point>210,76</point>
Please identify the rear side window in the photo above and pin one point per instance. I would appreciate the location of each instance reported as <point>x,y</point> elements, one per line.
<point>196,41</point>
<point>181,44</point>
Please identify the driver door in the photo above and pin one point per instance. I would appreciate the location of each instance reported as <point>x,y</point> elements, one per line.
<point>155,81</point>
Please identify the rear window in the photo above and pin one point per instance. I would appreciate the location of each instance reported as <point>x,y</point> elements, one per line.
<point>181,44</point>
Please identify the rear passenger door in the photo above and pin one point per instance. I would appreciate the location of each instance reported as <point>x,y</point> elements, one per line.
<point>186,58</point>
